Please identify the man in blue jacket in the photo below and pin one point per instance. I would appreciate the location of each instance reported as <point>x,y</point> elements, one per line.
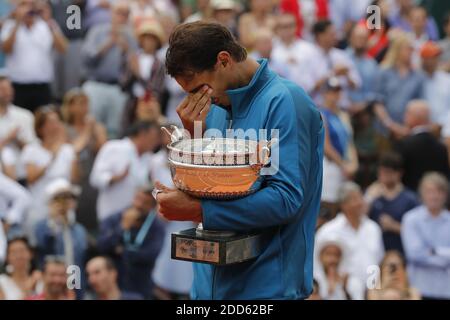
<point>245,94</point>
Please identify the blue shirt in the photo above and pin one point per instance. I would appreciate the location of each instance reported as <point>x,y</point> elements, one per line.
<point>431,28</point>
<point>136,262</point>
<point>50,241</point>
<point>367,69</point>
<point>337,131</point>
<point>285,207</point>
<point>426,240</point>
<point>395,208</point>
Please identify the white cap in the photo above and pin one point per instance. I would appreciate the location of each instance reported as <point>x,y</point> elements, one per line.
<point>331,240</point>
<point>58,186</point>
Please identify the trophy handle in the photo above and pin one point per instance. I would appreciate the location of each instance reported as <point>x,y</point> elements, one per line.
<point>176,134</point>
<point>264,152</point>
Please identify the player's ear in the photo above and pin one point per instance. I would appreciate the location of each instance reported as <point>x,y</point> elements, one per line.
<point>223,59</point>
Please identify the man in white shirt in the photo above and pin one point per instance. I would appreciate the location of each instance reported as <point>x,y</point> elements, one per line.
<point>16,130</point>
<point>14,201</point>
<point>328,62</point>
<point>293,52</point>
<point>28,41</point>
<point>122,166</point>
<point>360,235</point>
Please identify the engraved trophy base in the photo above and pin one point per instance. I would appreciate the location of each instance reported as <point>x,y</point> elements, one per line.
<point>215,247</point>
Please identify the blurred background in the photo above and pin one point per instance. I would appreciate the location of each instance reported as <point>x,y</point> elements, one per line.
<point>83,93</point>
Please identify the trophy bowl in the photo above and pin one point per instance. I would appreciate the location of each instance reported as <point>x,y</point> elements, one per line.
<point>216,168</point>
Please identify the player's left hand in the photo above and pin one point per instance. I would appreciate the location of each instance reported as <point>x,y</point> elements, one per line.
<point>176,205</point>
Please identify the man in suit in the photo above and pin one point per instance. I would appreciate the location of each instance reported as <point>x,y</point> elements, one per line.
<point>421,150</point>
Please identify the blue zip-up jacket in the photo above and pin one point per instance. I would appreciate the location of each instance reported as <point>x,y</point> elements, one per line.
<point>286,205</point>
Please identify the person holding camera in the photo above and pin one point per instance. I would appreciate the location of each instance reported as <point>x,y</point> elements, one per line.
<point>394,284</point>
<point>28,39</point>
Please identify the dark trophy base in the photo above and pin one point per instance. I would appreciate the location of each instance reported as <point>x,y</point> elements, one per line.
<point>215,247</point>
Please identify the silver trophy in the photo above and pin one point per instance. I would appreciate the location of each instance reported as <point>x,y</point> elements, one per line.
<point>219,169</point>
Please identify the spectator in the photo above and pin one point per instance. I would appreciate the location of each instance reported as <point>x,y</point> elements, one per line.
<point>340,162</point>
<point>203,11</point>
<point>97,12</point>
<point>259,16</point>
<point>60,234</point>
<point>174,92</point>
<point>122,166</point>
<point>291,52</point>
<point>105,52</point>
<point>143,9</point>
<point>225,13</point>
<point>397,84</point>
<point>28,41</point>
<point>427,240</point>
<point>133,238</point>
<point>437,84</point>
<point>102,275</point>
<point>333,284</point>
<point>16,128</point>
<point>306,13</point>
<point>176,95</point>
<point>445,44</point>
<point>44,161</point>
<point>394,280</point>
<point>68,66</point>
<point>264,49</point>
<point>390,200</point>
<point>87,136</point>
<point>145,75</point>
<point>54,277</point>
<point>14,203</point>
<point>418,18</point>
<point>360,235</point>
<point>361,97</point>
<point>406,21</point>
<point>361,101</point>
<point>172,278</point>
<point>344,13</point>
<point>421,150</point>
<point>20,280</point>
<point>378,37</point>
<point>329,61</point>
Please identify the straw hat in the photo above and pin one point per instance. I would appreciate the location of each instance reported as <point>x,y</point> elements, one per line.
<point>152,27</point>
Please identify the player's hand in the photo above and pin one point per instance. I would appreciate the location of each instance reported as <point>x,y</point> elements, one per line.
<point>195,107</point>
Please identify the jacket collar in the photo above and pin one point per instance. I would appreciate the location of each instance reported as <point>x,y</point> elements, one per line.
<point>242,98</point>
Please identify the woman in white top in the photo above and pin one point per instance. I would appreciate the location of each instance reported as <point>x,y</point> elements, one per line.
<point>45,161</point>
<point>144,76</point>
<point>20,281</point>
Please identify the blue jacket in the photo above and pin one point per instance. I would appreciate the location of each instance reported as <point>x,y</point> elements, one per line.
<point>51,241</point>
<point>135,262</point>
<point>287,204</point>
